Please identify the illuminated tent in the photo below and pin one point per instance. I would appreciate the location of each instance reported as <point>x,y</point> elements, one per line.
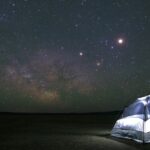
<point>135,121</point>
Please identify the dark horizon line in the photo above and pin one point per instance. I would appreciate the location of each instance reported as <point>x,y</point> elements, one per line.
<point>63,113</point>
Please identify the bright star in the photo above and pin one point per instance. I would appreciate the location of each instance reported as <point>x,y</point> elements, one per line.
<point>120,41</point>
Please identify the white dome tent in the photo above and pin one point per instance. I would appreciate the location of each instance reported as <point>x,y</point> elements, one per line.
<point>135,121</point>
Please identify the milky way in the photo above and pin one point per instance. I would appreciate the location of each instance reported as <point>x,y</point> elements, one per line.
<point>73,56</point>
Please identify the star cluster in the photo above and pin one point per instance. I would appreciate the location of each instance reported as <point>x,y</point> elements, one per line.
<point>73,56</point>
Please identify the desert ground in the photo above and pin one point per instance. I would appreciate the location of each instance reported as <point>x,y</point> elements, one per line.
<point>61,132</point>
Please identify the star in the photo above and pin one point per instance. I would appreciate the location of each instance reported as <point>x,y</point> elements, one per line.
<point>112,47</point>
<point>81,53</point>
<point>13,4</point>
<point>98,64</point>
<point>120,41</point>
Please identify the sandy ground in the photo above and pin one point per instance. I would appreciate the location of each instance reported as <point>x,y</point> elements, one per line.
<point>61,132</point>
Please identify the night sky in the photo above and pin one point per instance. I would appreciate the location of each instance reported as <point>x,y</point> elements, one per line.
<point>73,55</point>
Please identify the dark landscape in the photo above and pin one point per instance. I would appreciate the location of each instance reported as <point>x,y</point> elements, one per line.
<point>61,132</point>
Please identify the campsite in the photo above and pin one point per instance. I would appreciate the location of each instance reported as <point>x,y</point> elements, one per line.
<point>74,74</point>
<point>62,132</point>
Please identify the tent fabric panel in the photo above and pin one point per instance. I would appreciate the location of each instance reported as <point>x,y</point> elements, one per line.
<point>130,123</point>
<point>147,137</point>
<point>134,109</point>
<point>147,126</point>
<point>131,134</point>
<point>148,107</point>
<point>128,134</point>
